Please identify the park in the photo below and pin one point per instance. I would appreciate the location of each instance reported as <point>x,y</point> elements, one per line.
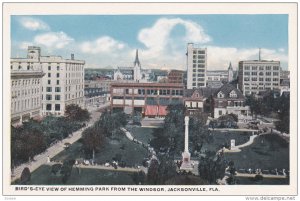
<point>110,149</point>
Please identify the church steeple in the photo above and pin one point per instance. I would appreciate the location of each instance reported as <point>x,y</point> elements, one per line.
<point>137,61</point>
<point>230,66</point>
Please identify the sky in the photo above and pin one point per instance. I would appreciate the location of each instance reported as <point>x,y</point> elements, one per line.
<point>111,40</point>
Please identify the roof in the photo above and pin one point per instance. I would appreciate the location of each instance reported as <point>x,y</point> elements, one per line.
<point>205,92</point>
<point>226,89</point>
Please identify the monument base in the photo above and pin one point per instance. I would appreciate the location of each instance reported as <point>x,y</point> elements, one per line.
<point>186,162</point>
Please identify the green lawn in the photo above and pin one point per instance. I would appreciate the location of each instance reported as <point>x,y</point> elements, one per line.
<point>266,152</point>
<point>222,139</point>
<point>132,153</point>
<point>142,134</point>
<point>43,176</point>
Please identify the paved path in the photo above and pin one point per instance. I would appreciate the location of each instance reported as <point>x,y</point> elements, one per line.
<point>233,129</point>
<point>103,167</point>
<point>54,150</point>
<point>237,148</point>
<point>264,175</point>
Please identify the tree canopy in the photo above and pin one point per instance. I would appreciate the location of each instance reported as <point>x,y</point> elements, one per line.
<point>75,113</point>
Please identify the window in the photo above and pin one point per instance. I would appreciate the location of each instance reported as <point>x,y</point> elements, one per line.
<point>254,78</point>
<point>261,79</point>
<point>261,68</point>
<point>268,67</point>
<point>57,74</point>
<point>275,67</point>
<point>49,89</point>
<point>254,67</point>
<point>57,89</point>
<point>49,81</point>
<point>48,107</point>
<point>220,112</point>
<point>232,94</point>
<point>57,82</point>
<point>247,67</point>
<point>253,73</point>
<point>57,107</point>
<point>246,73</point>
<point>49,67</point>
<point>49,74</point>
<point>57,68</point>
<point>261,73</point>
<point>48,97</point>
<point>268,73</point>
<point>275,73</point>
<point>220,95</point>
<point>57,97</point>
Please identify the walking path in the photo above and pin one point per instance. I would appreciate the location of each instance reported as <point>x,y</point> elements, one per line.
<point>237,148</point>
<point>264,175</point>
<point>103,167</point>
<point>52,151</point>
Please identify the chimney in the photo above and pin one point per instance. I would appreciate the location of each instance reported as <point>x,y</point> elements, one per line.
<point>72,56</point>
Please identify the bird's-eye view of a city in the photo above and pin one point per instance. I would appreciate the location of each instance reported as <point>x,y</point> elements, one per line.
<point>150,100</point>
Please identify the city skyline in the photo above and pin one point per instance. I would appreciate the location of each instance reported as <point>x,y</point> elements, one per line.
<point>104,40</point>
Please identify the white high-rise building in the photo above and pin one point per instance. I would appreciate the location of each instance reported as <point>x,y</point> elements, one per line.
<point>26,89</point>
<point>258,75</point>
<point>62,84</point>
<point>196,66</point>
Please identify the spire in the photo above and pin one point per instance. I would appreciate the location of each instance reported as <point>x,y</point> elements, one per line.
<point>230,66</point>
<point>136,61</point>
<point>259,55</point>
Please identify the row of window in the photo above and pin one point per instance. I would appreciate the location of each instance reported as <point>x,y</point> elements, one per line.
<point>25,92</point>
<point>74,81</point>
<point>199,70</point>
<point>261,67</point>
<point>198,75</point>
<point>22,105</point>
<point>199,65</point>
<point>74,67</point>
<point>158,92</point>
<point>56,107</point>
<point>262,73</point>
<point>261,79</point>
<point>199,57</point>
<point>199,61</point>
<point>25,82</point>
<point>199,79</point>
<point>57,68</point>
<point>199,84</point>
<point>198,52</point>
<point>56,89</point>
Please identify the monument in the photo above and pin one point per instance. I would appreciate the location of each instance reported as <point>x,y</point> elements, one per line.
<point>232,144</point>
<point>186,156</point>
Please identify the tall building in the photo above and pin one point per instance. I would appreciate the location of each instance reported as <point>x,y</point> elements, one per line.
<point>26,89</point>
<point>196,66</point>
<point>176,76</point>
<point>62,84</point>
<point>255,76</point>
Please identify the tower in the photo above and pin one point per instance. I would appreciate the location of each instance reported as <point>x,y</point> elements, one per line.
<point>186,156</point>
<point>137,67</point>
<point>33,52</point>
<point>230,73</point>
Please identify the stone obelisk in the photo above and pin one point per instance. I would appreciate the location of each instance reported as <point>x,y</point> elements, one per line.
<point>186,156</point>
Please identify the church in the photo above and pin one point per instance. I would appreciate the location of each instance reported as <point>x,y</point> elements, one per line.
<point>135,73</point>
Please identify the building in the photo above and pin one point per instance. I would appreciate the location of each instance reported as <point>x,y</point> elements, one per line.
<point>284,82</point>
<point>63,83</point>
<point>196,99</point>
<point>176,76</point>
<point>196,66</point>
<point>229,99</point>
<point>150,99</point>
<point>135,73</point>
<point>26,89</point>
<point>255,76</point>
<point>230,73</point>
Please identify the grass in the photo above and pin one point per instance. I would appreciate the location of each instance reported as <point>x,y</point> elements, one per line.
<point>222,139</point>
<point>142,134</point>
<point>43,176</point>
<point>266,152</point>
<point>132,153</point>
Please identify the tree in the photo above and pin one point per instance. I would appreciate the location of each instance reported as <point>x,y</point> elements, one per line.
<point>25,176</point>
<point>153,174</point>
<point>139,178</point>
<point>93,140</point>
<point>211,166</point>
<point>75,113</point>
<point>166,169</point>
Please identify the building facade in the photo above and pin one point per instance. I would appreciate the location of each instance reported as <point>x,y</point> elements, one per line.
<point>256,76</point>
<point>62,84</point>
<point>176,76</point>
<point>196,66</point>
<point>26,89</point>
<point>150,99</point>
<point>230,100</point>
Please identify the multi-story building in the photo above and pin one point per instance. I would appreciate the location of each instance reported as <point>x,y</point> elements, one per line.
<point>63,82</point>
<point>229,99</point>
<point>196,66</point>
<point>26,89</point>
<point>176,76</point>
<point>150,99</point>
<point>258,75</point>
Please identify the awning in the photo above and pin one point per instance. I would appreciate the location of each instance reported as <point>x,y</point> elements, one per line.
<point>162,110</point>
<point>151,110</point>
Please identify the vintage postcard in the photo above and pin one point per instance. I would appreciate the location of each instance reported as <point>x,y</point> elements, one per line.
<point>150,99</point>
